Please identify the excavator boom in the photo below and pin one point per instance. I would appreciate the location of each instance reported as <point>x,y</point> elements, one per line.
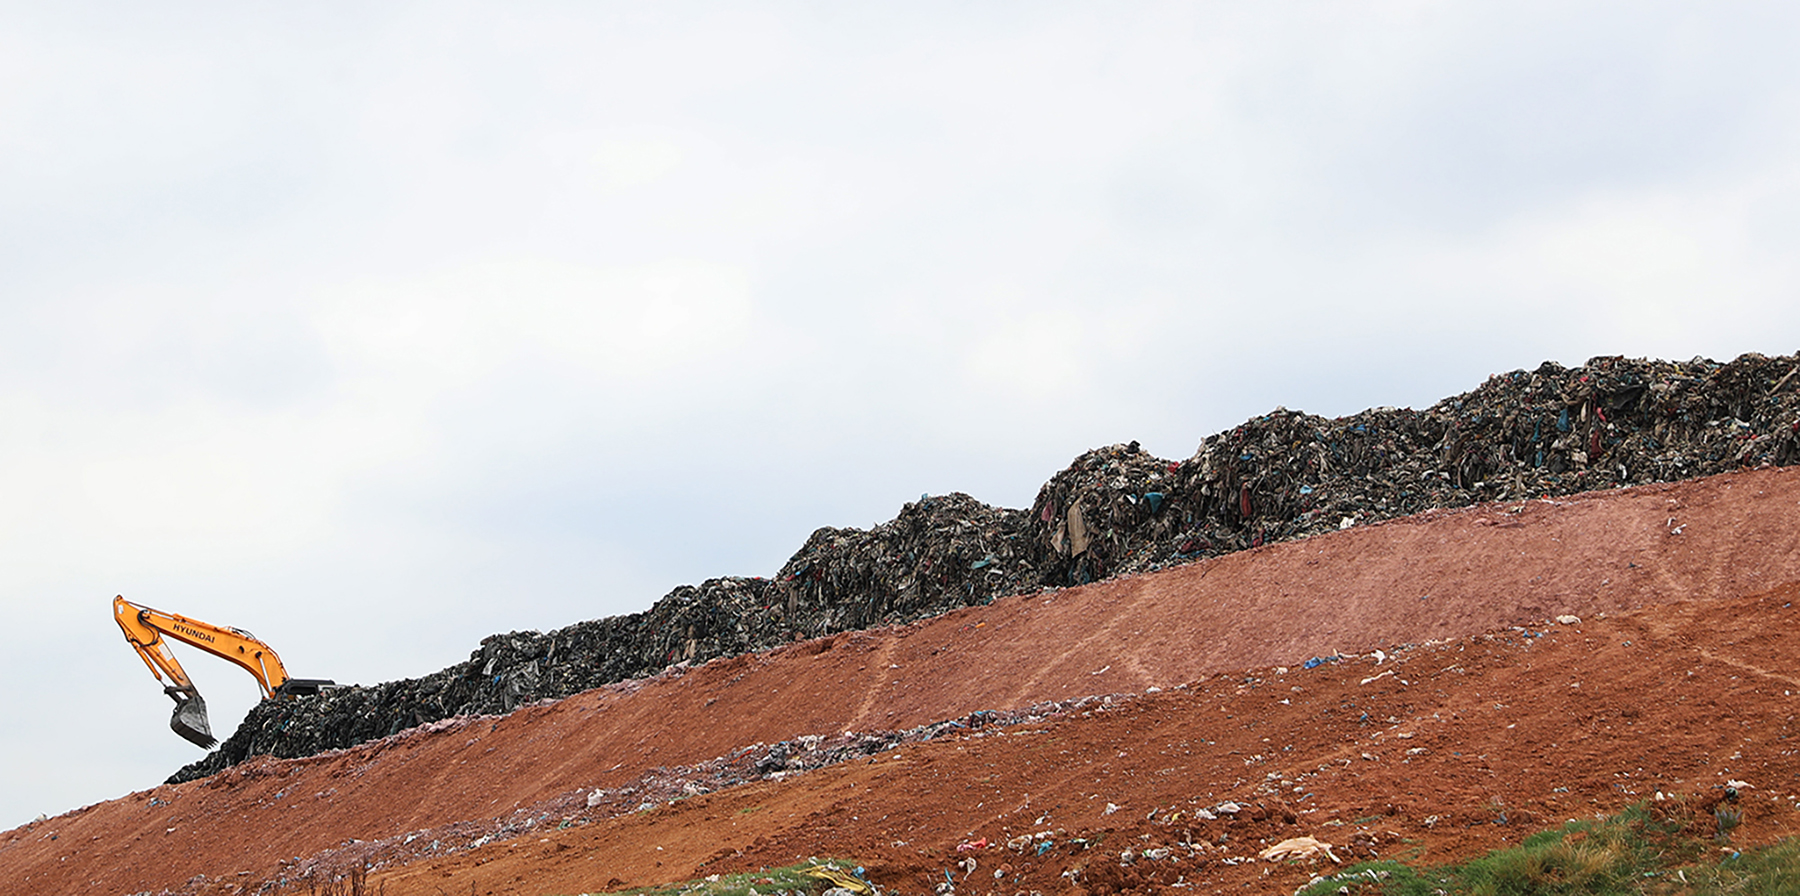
<point>145,629</point>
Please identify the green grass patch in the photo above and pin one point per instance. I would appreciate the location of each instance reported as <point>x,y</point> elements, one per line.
<point>1762,872</point>
<point>1652,849</point>
<point>792,880</point>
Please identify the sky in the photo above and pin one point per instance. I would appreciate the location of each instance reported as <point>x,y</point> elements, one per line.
<point>375,328</point>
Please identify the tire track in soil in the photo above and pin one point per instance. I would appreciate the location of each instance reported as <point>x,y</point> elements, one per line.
<point>1059,667</point>
<point>879,665</point>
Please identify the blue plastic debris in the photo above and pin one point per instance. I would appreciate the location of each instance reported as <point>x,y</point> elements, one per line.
<point>1045,846</point>
<point>1313,663</point>
<point>1154,499</point>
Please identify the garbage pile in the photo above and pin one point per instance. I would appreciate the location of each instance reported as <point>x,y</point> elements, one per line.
<point>1115,511</point>
<point>1285,475</point>
<point>941,552</point>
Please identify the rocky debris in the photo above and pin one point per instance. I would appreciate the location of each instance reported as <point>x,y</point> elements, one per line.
<point>1114,511</point>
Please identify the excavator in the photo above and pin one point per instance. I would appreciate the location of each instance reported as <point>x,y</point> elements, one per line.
<point>145,628</point>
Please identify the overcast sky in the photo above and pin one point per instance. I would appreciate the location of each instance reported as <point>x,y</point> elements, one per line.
<point>375,328</point>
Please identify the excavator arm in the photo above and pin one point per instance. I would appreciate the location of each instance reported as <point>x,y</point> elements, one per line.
<point>145,629</point>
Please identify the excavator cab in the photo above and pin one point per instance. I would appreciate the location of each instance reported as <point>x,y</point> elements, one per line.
<point>144,628</point>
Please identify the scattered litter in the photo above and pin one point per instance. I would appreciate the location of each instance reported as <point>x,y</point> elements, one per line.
<point>1299,848</point>
<point>839,878</point>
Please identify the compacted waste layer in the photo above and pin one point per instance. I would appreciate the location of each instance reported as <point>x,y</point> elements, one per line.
<point>1115,511</point>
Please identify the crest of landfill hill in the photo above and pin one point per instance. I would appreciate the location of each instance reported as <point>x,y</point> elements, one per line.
<point>1115,511</point>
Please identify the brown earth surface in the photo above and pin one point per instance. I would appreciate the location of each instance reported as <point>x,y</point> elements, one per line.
<point>1483,723</point>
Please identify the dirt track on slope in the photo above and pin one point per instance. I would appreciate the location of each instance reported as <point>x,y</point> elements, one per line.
<point>1696,546</point>
<point>1455,749</point>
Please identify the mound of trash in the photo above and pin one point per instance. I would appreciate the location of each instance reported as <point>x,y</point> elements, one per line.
<point>1115,511</point>
<point>1286,475</point>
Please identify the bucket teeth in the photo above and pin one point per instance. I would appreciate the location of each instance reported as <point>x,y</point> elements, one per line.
<point>189,719</point>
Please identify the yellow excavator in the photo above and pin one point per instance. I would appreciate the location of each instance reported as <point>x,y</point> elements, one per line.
<point>145,628</point>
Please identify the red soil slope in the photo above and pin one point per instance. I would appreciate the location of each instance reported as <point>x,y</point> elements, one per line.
<point>1464,747</point>
<point>1587,711</point>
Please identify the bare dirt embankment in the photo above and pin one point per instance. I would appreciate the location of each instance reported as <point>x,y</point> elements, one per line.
<point>1425,759</point>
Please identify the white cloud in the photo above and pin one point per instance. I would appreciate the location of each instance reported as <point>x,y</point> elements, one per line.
<point>450,328</point>
<point>1035,357</point>
<point>619,165</point>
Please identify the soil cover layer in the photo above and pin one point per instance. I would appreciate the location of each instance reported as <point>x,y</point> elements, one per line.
<point>1114,511</point>
<point>1401,690</point>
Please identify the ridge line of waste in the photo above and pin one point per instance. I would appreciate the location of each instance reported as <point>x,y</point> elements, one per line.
<point>1115,511</point>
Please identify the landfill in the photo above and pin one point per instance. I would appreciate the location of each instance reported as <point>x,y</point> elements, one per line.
<point>1116,511</point>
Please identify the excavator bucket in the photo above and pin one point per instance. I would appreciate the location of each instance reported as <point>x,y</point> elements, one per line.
<point>189,719</point>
